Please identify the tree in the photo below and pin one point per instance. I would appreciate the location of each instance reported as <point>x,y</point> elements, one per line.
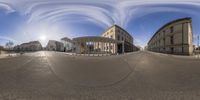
<point>9,45</point>
<point>1,48</point>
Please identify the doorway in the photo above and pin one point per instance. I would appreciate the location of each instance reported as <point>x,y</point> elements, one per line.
<point>172,50</point>
<point>119,48</point>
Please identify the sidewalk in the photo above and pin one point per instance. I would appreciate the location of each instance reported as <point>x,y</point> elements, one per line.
<point>3,56</point>
<point>8,55</point>
<point>175,56</point>
<point>92,55</point>
<point>99,55</point>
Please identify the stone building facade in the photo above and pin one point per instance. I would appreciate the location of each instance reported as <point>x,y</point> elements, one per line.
<point>114,40</point>
<point>1,49</point>
<point>54,45</point>
<point>125,40</point>
<point>30,46</point>
<point>175,37</point>
<point>94,45</point>
<point>68,44</point>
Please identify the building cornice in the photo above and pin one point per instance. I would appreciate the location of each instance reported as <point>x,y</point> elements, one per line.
<point>170,23</point>
<point>117,27</point>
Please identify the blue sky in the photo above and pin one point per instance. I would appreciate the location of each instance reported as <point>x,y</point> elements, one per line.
<point>28,20</point>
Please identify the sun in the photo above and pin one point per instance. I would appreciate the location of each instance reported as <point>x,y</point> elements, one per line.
<point>43,37</point>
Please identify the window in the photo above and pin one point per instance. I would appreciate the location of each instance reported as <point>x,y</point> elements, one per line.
<point>163,33</point>
<point>118,31</point>
<point>111,36</point>
<point>172,50</point>
<point>172,39</point>
<point>164,41</point>
<point>111,31</point>
<point>159,42</point>
<point>118,37</point>
<point>172,29</point>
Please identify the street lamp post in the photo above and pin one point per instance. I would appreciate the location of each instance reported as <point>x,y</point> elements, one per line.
<point>198,48</point>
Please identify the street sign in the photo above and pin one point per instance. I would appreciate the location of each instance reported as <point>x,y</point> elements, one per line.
<point>198,48</point>
<point>198,40</point>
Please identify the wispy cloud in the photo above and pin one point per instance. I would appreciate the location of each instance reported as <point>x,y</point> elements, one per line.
<point>7,7</point>
<point>7,38</point>
<point>53,15</point>
<point>4,39</point>
<point>130,9</point>
<point>103,13</point>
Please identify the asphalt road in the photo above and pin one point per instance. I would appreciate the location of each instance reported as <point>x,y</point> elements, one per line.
<point>135,76</point>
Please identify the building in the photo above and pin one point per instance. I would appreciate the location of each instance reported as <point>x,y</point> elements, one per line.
<point>94,45</point>
<point>125,40</point>
<point>30,46</point>
<point>55,46</point>
<point>197,48</point>
<point>1,49</point>
<point>175,37</point>
<point>68,44</point>
<point>114,40</point>
<point>137,48</point>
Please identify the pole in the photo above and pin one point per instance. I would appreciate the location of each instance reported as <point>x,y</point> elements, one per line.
<point>198,48</point>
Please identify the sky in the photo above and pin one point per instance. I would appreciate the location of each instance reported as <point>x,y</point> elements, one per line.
<point>28,20</point>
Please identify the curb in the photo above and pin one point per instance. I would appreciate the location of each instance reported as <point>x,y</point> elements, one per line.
<point>175,56</point>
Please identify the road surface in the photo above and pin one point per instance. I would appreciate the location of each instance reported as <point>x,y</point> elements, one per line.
<point>136,76</point>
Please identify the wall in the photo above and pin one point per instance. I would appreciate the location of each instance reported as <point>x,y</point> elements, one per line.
<point>182,41</point>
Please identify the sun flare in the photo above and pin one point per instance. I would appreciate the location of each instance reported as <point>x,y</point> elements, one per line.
<point>43,37</point>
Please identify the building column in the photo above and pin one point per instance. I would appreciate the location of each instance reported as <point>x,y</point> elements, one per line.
<point>122,47</point>
<point>73,48</point>
<point>101,49</point>
<point>114,47</point>
<point>98,45</point>
<point>102,46</point>
<point>105,47</point>
<point>94,46</point>
<point>79,47</point>
<point>85,47</point>
<point>109,47</point>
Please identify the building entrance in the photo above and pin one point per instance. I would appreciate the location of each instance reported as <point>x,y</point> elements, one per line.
<point>119,48</point>
<point>172,50</point>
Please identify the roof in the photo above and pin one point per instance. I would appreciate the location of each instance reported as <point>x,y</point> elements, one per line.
<point>54,41</point>
<point>174,21</point>
<point>117,27</point>
<point>31,42</point>
<point>66,39</point>
<point>1,47</point>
